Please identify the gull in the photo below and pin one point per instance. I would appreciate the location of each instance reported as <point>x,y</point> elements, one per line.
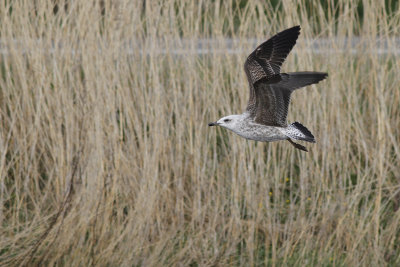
<point>267,108</point>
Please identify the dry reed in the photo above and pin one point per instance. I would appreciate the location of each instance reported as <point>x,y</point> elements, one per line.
<point>106,158</point>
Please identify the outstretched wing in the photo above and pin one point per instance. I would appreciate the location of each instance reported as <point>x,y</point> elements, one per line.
<point>266,60</point>
<point>273,96</point>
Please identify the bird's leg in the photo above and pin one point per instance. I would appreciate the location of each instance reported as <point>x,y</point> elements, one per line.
<point>298,146</point>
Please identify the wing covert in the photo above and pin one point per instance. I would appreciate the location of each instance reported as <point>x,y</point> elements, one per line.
<point>272,97</point>
<point>266,60</point>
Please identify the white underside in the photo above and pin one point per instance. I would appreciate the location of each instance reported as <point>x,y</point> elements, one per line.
<point>261,133</point>
<point>245,126</point>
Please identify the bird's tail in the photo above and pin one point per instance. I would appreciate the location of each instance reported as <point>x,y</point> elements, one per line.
<point>299,132</point>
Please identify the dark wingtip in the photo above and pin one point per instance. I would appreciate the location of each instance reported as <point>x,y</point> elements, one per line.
<point>296,28</point>
<point>293,30</point>
<point>321,76</point>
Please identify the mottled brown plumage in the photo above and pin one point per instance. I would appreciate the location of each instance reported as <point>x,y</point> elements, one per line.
<point>265,116</point>
<point>273,96</point>
<point>266,60</point>
<point>269,89</point>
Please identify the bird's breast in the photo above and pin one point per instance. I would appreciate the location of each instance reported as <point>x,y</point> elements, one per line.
<point>261,133</point>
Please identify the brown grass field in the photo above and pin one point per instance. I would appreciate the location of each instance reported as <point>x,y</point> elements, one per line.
<point>106,158</point>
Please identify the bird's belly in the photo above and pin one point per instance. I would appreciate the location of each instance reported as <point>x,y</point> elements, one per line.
<point>263,134</point>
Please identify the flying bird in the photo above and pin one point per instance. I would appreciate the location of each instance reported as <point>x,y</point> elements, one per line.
<point>267,108</point>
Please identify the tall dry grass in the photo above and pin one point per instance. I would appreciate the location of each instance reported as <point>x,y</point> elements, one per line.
<point>106,158</point>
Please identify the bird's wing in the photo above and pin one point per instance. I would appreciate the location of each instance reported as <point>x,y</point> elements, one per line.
<point>266,60</point>
<point>272,97</point>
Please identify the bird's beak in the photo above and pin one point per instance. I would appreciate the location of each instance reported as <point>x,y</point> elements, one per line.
<point>213,124</point>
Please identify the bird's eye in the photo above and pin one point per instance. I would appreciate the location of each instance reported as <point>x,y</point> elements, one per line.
<point>227,120</point>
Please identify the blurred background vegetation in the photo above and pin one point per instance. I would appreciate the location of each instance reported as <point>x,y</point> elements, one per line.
<point>106,158</point>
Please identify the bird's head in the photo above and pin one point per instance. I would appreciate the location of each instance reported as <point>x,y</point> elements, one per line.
<point>229,122</point>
